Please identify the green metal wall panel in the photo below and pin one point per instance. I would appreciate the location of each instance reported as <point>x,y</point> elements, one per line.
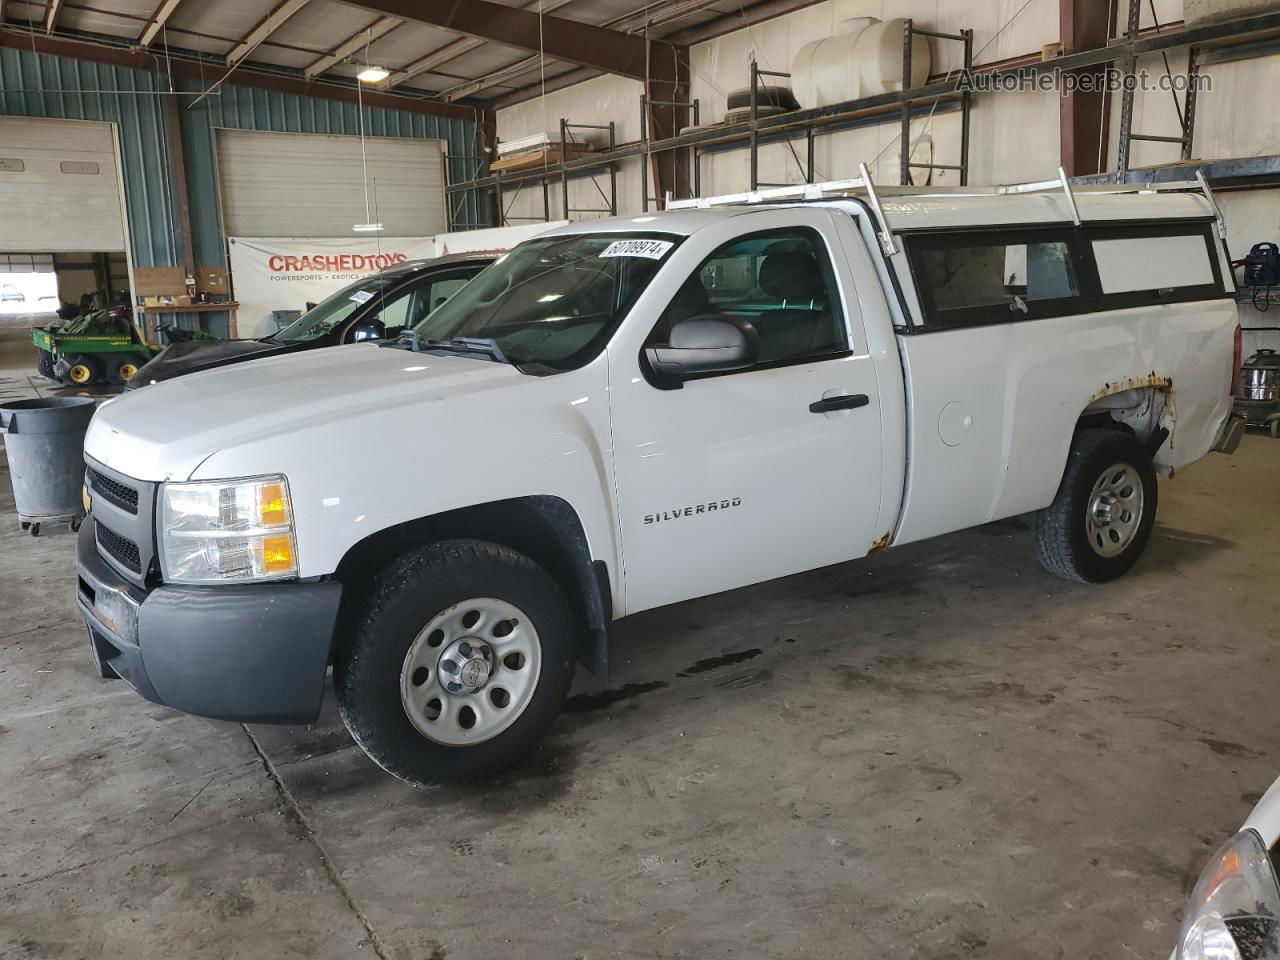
<point>41,85</point>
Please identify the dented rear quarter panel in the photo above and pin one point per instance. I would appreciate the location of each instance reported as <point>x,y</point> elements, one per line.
<point>1023,386</point>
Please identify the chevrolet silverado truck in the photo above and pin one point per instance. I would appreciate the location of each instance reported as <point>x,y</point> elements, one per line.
<point>626,413</point>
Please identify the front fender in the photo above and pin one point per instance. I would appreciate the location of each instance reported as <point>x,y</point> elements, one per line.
<point>369,471</point>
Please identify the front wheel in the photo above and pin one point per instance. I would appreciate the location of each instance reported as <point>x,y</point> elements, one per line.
<point>462,658</point>
<point>1101,520</point>
<point>83,370</point>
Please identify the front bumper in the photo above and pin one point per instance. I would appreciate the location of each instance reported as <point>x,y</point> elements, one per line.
<point>248,653</point>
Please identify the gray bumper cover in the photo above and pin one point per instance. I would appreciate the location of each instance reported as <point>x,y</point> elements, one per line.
<point>247,653</point>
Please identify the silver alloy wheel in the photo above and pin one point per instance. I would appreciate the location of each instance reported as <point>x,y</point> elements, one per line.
<point>1114,512</point>
<point>471,672</point>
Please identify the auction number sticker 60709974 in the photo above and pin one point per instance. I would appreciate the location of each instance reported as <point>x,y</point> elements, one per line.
<point>650,249</point>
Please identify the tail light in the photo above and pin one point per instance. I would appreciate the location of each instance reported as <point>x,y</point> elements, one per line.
<point>1237,359</point>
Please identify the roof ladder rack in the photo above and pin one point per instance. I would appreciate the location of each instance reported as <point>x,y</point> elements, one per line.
<point>884,233</point>
<point>1071,197</point>
<point>800,191</point>
<point>1213,203</point>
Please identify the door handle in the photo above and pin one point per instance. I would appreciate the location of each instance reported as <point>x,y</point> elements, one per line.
<point>848,401</point>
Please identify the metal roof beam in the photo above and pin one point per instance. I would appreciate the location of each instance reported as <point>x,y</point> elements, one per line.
<point>157,22</point>
<point>653,15</point>
<point>555,37</point>
<point>455,49</point>
<point>355,42</point>
<point>267,26</point>
<point>51,9</point>
<point>744,17</point>
<point>244,77</point>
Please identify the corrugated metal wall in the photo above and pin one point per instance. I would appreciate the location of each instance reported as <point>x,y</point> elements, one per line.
<point>246,108</point>
<point>38,85</point>
<point>41,85</point>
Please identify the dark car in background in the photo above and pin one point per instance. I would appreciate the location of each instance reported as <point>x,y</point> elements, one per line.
<point>379,305</point>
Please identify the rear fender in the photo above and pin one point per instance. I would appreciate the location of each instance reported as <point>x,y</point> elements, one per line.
<point>1145,406</point>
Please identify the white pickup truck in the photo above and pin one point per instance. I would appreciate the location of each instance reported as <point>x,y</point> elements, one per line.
<point>626,413</point>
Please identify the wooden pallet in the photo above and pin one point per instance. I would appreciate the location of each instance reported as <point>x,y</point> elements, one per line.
<point>538,158</point>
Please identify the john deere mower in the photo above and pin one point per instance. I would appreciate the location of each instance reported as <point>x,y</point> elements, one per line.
<point>96,346</point>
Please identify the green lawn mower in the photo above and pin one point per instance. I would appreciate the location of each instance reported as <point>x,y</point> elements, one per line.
<point>98,346</point>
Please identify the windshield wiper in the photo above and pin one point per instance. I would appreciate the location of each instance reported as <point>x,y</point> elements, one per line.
<point>468,345</point>
<point>408,340</point>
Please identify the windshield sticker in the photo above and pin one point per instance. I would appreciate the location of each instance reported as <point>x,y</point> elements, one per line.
<point>650,249</point>
<point>362,296</point>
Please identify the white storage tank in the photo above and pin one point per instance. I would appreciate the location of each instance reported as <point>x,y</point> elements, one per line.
<point>863,59</point>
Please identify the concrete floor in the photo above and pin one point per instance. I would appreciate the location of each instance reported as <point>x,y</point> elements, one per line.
<point>939,751</point>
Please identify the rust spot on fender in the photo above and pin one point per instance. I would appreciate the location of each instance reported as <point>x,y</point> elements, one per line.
<point>881,543</point>
<point>1151,379</point>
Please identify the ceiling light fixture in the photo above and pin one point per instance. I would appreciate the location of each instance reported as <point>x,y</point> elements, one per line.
<point>367,227</point>
<point>373,74</point>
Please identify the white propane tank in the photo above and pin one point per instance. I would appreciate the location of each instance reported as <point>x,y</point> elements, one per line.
<point>863,59</point>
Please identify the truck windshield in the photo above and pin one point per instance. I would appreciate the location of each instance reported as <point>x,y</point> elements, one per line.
<point>551,304</point>
<point>330,313</point>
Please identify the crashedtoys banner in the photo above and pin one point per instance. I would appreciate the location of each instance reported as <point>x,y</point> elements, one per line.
<point>285,274</point>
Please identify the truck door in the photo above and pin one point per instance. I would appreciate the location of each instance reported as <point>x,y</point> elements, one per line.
<point>743,476</point>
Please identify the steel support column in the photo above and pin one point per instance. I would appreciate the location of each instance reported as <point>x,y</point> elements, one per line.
<point>181,194</point>
<point>1083,114</point>
<point>667,86</point>
<point>1126,96</point>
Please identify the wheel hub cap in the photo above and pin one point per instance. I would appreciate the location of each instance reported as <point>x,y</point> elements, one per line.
<point>471,671</point>
<point>466,666</point>
<point>1115,510</point>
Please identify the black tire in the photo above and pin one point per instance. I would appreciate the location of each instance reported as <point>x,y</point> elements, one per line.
<point>1063,542</point>
<point>44,363</point>
<point>122,367</point>
<point>407,595</point>
<point>767,95</point>
<point>81,361</point>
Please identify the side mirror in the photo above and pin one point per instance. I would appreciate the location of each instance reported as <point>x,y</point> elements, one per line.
<point>703,345</point>
<point>367,330</point>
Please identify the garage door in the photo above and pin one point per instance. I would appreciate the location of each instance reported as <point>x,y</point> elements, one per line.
<point>59,187</point>
<point>303,185</point>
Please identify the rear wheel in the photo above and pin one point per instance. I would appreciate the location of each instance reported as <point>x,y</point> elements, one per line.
<point>124,367</point>
<point>1101,520</point>
<point>459,663</point>
<point>83,370</point>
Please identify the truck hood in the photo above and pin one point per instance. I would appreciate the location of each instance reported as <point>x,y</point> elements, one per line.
<point>167,430</point>
<point>189,356</point>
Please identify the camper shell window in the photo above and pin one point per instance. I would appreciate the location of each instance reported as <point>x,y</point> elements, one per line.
<point>981,277</point>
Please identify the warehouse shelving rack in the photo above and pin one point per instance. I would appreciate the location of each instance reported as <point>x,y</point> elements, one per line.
<point>812,123</point>
<point>1206,44</point>
<point>1257,35</point>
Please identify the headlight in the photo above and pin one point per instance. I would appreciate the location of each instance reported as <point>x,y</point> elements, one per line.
<point>1235,908</point>
<point>221,530</point>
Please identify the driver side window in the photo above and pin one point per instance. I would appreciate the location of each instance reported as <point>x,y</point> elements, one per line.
<point>780,282</point>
